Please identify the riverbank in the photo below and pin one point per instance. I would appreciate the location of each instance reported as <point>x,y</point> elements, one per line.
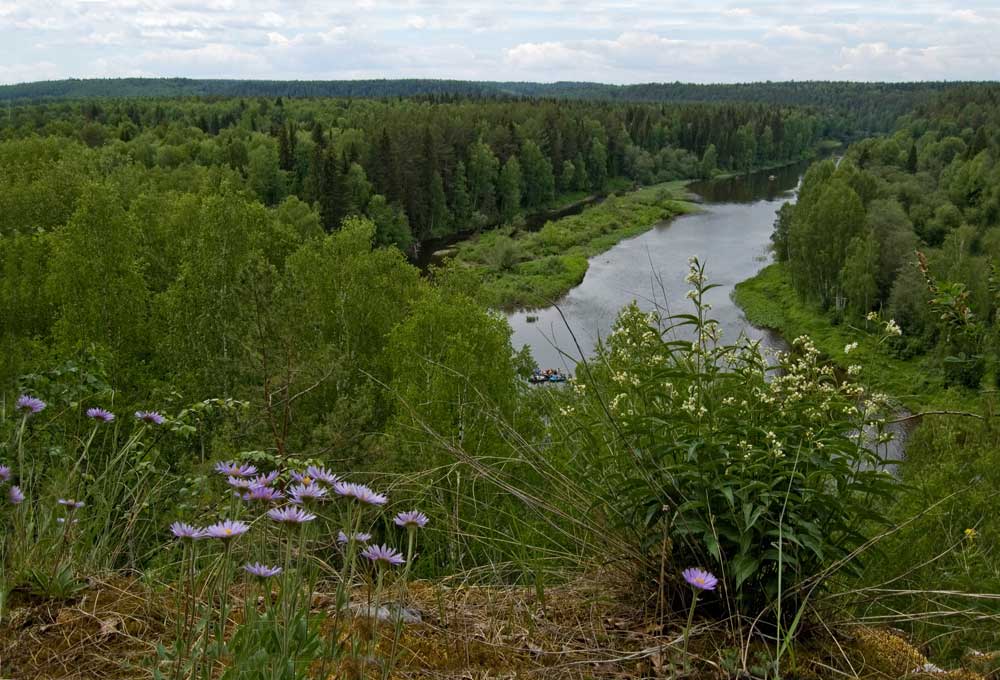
<point>951,470</point>
<point>434,251</point>
<point>524,269</point>
<point>769,301</point>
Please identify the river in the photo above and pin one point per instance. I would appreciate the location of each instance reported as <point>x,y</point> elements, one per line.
<point>731,235</point>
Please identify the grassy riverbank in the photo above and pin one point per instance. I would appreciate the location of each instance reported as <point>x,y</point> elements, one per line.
<point>944,526</point>
<point>769,301</point>
<point>527,269</point>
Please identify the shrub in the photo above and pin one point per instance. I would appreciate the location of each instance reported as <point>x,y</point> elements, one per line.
<point>770,471</point>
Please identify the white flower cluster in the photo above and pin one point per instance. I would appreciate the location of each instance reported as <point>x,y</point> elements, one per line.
<point>692,406</point>
<point>774,445</point>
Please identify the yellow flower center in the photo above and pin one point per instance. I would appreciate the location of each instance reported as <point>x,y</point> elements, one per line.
<point>228,532</point>
<point>307,480</point>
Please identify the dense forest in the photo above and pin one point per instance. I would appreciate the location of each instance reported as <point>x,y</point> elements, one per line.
<point>235,418</point>
<point>906,220</point>
<point>861,108</point>
<point>418,170</point>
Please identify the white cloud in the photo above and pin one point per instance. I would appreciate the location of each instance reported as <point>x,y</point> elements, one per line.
<point>546,55</point>
<point>22,73</point>
<point>614,40</point>
<point>792,32</point>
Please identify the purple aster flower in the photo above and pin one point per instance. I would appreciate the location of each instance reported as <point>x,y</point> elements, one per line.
<point>263,494</point>
<point>264,480</point>
<point>359,492</point>
<point>301,477</point>
<point>290,515</point>
<point>186,531</point>
<point>413,519</point>
<point>235,469</point>
<point>4,473</point>
<point>239,482</point>
<point>261,571</point>
<point>70,503</point>
<point>15,495</point>
<point>301,493</point>
<point>359,537</point>
<point>321,474</point>
<point>700,579</point>
<point>226,530</point>
<point>366,495</point>
<point>100,414</point>
<point>383,555</point>
<point>29,405</point>
<point>150,417</point>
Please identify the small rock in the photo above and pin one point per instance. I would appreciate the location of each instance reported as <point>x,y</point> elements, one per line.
<point>928,668</point>
<point>387,612</point>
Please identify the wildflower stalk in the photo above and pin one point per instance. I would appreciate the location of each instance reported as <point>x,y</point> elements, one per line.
<point>286,600</point>
<point>690,621</point>
<point>23,471</point>
<point>83,454</point>
<point>182,623</point>
<point>343,596</point>
<point>398,623</point>
<point>373,610</point>
<point>224,595</point>
<point>347,569</point>
<point>699,580</point>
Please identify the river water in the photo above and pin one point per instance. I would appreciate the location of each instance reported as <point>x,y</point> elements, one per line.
<point>731,235</point>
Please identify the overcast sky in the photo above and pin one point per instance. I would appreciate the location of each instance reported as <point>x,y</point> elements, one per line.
<point>545,40</point>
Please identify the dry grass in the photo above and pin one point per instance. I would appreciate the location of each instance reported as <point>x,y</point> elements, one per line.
<point>109,632</point>
<point>586,629</point>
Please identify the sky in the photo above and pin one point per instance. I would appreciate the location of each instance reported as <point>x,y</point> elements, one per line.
<point>614,41</point>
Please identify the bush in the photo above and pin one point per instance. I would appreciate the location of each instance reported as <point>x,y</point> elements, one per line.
<point>756,469</point>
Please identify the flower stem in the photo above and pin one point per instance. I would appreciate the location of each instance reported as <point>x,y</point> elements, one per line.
<point>687,629</point>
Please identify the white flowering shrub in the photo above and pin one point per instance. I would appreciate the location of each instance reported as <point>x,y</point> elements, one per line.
<point>771,472</point>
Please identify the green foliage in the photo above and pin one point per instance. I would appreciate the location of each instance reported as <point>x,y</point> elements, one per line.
<point>825,222</point>
<point>452,372</point>
<point>749,468</point>
<point>539,180</point>
<point>709,161</point>
<point>597,165</point>
<point>858,277</point>
<point>509,189</point>
<point>95,279</point>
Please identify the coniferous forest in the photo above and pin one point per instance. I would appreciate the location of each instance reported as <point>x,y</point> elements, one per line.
<point>251,427</point>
